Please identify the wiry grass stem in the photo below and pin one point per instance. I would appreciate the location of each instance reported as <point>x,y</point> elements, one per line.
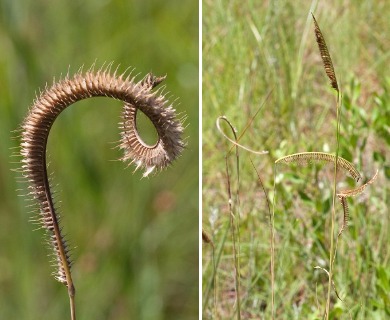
<point>234,226</point>
<point>332,252</point>
<point>272,241</point>
<point>72,307</point>
<point>272,238</point>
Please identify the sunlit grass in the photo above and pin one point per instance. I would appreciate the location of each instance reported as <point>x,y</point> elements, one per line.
<point>250,49</point>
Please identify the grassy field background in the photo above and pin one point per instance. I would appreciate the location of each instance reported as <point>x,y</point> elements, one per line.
<point>254,48</point>
<point>135,241</point>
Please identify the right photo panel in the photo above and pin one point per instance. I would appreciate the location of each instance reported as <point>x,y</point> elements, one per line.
<point>295,148</point>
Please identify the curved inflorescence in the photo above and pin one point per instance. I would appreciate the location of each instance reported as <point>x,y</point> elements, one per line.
<point>304,158</point>
<point>47,107</point>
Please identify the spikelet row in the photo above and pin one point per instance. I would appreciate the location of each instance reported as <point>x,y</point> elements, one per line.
<point>303,158</point>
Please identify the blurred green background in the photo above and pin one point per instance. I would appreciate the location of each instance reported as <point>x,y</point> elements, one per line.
<point>252,48</point>
<point>135,240</point>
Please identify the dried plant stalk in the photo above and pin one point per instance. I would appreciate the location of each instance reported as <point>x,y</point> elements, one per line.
<point>46,108</point>
<point>327,61</point>
<point>309,157</point>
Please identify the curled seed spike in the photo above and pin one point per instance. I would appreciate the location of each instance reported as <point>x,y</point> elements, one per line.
<point>343,195</point>
<point>358,190</point>
<point>344,203</point>
<point>53,100</point>
<point>309,157</point>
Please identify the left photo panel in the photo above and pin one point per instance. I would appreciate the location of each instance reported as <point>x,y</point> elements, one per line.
<point>99,168</point>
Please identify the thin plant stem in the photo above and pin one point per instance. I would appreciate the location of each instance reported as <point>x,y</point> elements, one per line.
<point>206,238</point>
<point>234,239</point>
<point>332,247</point>
<point>247,126</point>
<point>272,241</point>
<point>215,285</point>
<point>213,279</point>
<point>238,216</point>
<point>234,219</point>
<point>270,214</point>
<point>72,306</point>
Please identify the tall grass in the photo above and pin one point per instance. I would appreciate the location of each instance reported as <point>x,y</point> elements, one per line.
<point>253,47</point>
